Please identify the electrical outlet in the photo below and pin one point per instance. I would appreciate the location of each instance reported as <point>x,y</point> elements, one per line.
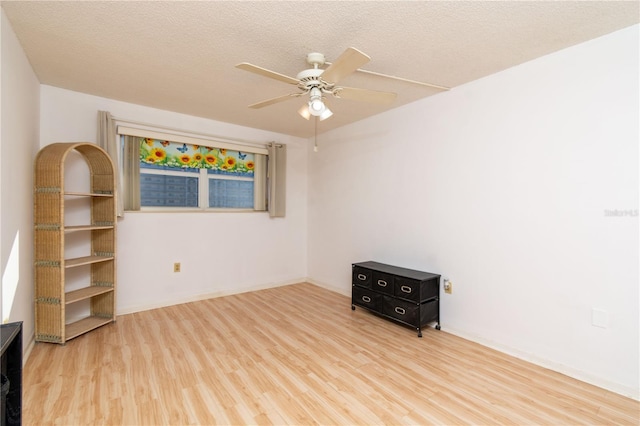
<point>448,286</point>
<point>176,267</point>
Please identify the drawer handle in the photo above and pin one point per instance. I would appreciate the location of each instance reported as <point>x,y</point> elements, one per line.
<point>399,310</point>
<point>406,289</point>
<point>362,277</point>
<point>382,283</point>
<point>366,299</point>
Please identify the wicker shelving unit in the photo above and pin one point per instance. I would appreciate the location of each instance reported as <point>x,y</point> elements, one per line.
<point>51,295</point>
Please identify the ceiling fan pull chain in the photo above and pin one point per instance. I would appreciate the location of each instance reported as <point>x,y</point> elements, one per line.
<point>315,135</point>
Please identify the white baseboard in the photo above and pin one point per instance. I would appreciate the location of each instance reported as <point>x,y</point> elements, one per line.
<point>551,365</point>
<point>330,287</point>
<point>205,296</point>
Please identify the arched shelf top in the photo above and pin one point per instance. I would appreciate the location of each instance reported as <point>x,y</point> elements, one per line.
<point>50,163</point>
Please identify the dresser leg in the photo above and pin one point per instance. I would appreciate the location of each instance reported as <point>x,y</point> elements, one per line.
<point>353,308</point>
<point>437,326</point>
<point>419,333</point>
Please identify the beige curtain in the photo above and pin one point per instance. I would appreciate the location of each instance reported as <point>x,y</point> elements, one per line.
<point>108,140</point>
<point>276,175</point>
<point>131,173</point>
<point>260,183</point>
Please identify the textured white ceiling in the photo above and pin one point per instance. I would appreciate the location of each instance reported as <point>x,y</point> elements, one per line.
<point>181,56</point>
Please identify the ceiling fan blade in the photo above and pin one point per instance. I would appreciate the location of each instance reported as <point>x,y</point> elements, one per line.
<point>267,73</point>
<point>274,100</point>
<point>350,60</point>
<point>364,95</point>
<point>406,80</point>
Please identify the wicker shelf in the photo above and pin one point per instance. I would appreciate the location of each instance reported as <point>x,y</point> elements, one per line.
<point>85,260</point>
<point>51,201</point>
<point>86,194</point>
<point>85,293</point>
<point>77,328</point>
<point>86,227</point>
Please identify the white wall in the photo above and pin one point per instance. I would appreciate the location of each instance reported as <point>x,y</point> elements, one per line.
<point>502,185</point>
<point>18,146</point>
<point>220,253</point>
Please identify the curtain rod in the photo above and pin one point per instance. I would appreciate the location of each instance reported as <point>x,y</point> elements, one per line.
<point>122,120</point>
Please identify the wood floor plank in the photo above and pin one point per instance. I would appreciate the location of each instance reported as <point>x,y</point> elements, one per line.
<point>295,355</point>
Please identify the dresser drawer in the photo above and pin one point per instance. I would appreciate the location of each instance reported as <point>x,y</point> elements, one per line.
<point>401,310</point>
<point>407,289</point>
<point>382,282</point>
<point>366,298</point>
<point>429,312</point>
<point>362,276</point>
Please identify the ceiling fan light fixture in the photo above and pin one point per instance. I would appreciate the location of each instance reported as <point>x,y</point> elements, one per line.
<point>305,112</point>
<point>326,114</point>
<point>316,107</point>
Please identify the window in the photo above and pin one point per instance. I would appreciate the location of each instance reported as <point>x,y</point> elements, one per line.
<point>184,171</point>
<point>183,175</point>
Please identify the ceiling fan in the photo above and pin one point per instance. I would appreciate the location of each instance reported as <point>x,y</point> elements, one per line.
<point>319,83</point>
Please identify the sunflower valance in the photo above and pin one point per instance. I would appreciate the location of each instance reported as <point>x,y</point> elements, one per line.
<point>161,154</point>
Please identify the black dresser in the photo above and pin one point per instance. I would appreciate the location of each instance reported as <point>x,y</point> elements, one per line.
<point>403,295</point>
<point>11,374</point>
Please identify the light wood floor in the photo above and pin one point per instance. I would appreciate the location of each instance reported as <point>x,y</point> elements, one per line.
<point>295,355</point>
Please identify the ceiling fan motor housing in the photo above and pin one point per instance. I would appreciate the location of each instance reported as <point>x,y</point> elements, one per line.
<point>312,78</point>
